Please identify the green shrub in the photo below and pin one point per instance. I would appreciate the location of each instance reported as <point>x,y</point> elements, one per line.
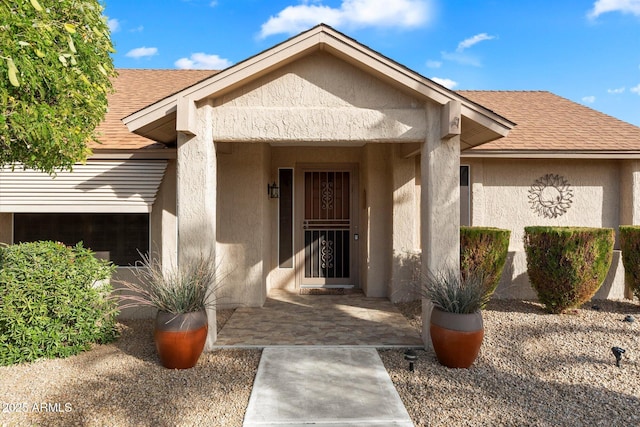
<point>483,252</point>
<point>51,304</point>
<point>630,245</point>
<point>567,265</point>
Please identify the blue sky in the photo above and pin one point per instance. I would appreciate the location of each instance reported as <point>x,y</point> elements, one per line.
<point>584,50</point>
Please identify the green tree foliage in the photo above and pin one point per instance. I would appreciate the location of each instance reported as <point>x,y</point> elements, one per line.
<point>567,265</point>
<point>55,69</point>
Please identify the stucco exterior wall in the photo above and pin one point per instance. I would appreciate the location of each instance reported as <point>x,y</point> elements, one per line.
<point>243,219</point>
<point>318,98</point>
<point>376,218</point>
<point>163,220</point>
<point>406,225</point>
<point>630,192</point>
<point>505,194</point>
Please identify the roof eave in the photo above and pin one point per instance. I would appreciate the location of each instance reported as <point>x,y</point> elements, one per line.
<point>552,154</point>
<point>158,121</point>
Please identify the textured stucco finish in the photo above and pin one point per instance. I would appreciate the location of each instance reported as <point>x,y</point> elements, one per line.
<point>196,198</point>
<point>501,198</point>
<point>163,219</point>
<point>377,220</point>
<point>406,225</point>
<point>318,99</point>
<point>243,231</point>
<point>630,192</point>
<point>439,205</point>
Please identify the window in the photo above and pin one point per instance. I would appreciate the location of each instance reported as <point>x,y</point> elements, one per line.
<point>285,229</point>
<point>122,235</point>
<point>465,196</point>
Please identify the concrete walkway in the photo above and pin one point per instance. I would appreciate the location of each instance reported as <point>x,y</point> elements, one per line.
<point>339,387</point>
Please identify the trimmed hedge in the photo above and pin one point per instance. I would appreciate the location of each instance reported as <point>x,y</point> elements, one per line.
<point>483,252</point>
<point>630,246</point>
<point>567,265</point>
<point>54,301</point>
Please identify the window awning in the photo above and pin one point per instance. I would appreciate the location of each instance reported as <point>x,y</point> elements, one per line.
<point>98,186</point>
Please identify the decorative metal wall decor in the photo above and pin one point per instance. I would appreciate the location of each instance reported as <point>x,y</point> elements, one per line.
<point>550,196</point>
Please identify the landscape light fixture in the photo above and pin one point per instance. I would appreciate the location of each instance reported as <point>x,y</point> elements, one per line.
<point>273,190</point>
<point>618,352</point>
<point>411,356</point>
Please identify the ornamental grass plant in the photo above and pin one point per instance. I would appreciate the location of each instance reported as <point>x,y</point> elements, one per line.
<point>187,288</point>
<point>453,293</point>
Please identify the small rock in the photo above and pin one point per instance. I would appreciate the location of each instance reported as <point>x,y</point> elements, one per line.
<point>629,318</point>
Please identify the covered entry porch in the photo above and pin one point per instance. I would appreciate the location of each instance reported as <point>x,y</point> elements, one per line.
<point>316,103</point>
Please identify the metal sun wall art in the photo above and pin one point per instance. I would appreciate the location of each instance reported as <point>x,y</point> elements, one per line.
<point>550,196</point>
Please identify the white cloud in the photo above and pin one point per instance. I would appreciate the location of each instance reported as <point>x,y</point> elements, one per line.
<point>467,43</point>
<point>448,83</point>
<point>462,58</point>
<point>434,64</point>
<point>141,52</point>
<point>138,29</point>
<point>589,99</point>
<point>351,13</point>
<point>114,25</point>
<point>213,3</point>
<point>624,6</point>
<point>635,89</point>
<point>615,91</point>
<point>202,61</point>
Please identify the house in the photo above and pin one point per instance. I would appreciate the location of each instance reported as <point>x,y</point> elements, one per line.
<point>322,163</point>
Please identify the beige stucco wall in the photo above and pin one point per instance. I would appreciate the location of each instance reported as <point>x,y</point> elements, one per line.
<point>318,98</point>
<point>243,223</point>
<point>501,198</point>
<point>405,226</point>
<point>376,218</point>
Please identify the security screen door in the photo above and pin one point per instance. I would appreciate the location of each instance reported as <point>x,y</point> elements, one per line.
<point>327,228</point>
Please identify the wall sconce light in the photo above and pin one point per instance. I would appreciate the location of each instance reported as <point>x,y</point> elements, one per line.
<point>273,190</point>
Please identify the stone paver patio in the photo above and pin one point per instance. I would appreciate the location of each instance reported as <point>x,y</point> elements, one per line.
<point>289,319</point>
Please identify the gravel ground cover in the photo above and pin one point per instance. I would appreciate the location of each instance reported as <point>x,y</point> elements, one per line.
<point>122,384</point>
<point>534,369</point>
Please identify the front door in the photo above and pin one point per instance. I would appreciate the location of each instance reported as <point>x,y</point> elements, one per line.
<point>328,229</point>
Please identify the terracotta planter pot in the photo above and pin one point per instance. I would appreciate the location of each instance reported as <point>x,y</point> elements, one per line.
<point>456,337</point>
<point>180,338</point>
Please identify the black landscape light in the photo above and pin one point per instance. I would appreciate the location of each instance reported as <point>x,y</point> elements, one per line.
<point>411,356</point>
<point>618,352</point>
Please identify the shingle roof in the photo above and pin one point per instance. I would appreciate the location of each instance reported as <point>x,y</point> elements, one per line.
<point>135,89</point>
<point>544,121</point>
<point>548,122</point>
